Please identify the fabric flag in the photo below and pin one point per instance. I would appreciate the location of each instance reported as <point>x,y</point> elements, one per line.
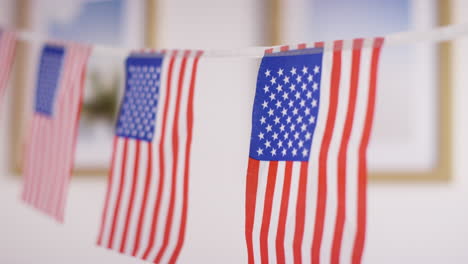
<point>52,136</point>
<point>146,206</point>
<point>306,178</point>
<point>7,54</point>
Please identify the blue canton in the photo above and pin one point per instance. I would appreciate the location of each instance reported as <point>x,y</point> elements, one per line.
<point>286,105</point>
<point>50,69</point>
<point>137,116</point>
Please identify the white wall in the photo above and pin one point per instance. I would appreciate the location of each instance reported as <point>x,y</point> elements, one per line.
<point>407,223</point>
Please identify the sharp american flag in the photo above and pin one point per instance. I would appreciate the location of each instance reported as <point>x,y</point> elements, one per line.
<point>52,131</point>
<point>145,211</point>
<point>306,178</point>
<point>7,54</point>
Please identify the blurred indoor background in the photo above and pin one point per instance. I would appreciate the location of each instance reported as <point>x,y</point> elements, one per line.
<point>418,191</point>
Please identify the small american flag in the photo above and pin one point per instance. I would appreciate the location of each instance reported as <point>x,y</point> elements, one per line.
<point>306,178</point>
<point>52,135</point>
<point>7,54</point>
<point>145,211</point>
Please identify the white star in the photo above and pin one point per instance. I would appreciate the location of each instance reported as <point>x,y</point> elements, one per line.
<point>262,120</point>
<point>283,152</point>
<point>158,70</point>
<point>310,77</point>
<point>280,72</point>
<point>301,143</point>
<point>312,119</point>
<point>267,144</point>
<point>304,69</point>
<point>267,73</point>
<point>302,103</point>
<point>316,69</point>
<point>304,86</point>
<point>275,136</point>
<point>296,135</point>
<point>307,111</point>
<point>309,94</point>
<point>284,112</point>
<point>293,71</point>
<point>266,88</point>
<point>299,119</point>
<point>273,80</point>
<point>273,152</point>
<point>270,112</point>
<point>291,103</point>
<point>292,87</point>
<point>288,120</point>
<point>292,127</point>
<point>303,127</point>
<point>294,152</point>
<point>315,86</point>
<point>295,111</point>
<point>268,128</point>
<point>286,79</point>
<point>299,79</point>
<point>265,104</point>
<point>289,143</point>
<point>282,128</point>
<point>314,103</point>
<point>280,143</point>
<point>261,135</point>
<point>278,104</point>
<point>297,95</point>
<point>277,120</point>
<point>279,88</point>
<point>260,151</point>
<point>272,96</point>
<point>285,95</point>
<point>286,135</point>
<point>308,135</point>
<point>304,152</point>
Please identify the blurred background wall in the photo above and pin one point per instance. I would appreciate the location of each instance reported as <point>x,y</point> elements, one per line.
<point>407,223</point>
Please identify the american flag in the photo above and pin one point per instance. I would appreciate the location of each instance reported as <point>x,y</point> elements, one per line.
<point>7,54</point>
<point>52,136</point>
<point>306,178</point>
<point>145,211</point>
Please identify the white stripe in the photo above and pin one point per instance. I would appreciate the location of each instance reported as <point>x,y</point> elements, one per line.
<point>138,198</point>
<point>275,211</point>
<point>152,192</point>
<point>114,190</point>
<point>130,162</point>
<point>332,162</point>
<point>167,160</point>
<point>182,135</point>
<point>353,155</point>
<point>260,201</point>
<point>291,215</point>
<point>312,180</point>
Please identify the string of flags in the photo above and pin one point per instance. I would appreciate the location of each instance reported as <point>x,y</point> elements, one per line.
<point>304,184</point>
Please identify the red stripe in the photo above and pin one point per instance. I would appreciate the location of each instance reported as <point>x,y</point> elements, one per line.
<point>132,197</point>
<point>280,257</point>
<point>300,213</point>
<point>250,201</point>
<point>323,158</point>
<point>175,159</point>
<point>162,166</point>
<point>301,46</point>
<point>269,192</point>
<point>119,193</point>
<point>342,154</point>
<point>109,188</point>
<point>268,51</point>
<point>362,169</point>
<point>149,174</point>
<point>284,48</point>
<point>183,223</point>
